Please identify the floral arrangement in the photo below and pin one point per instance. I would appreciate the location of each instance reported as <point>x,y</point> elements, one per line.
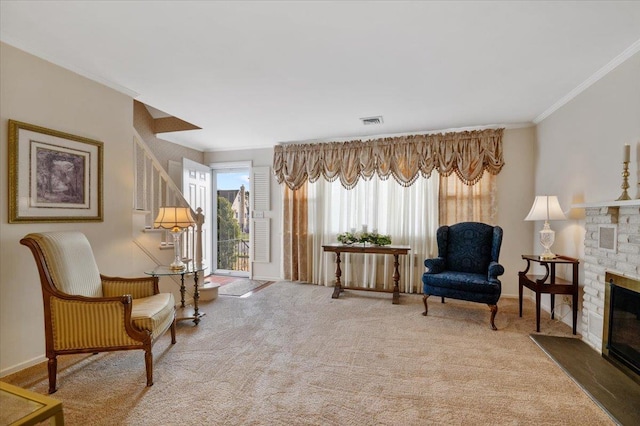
<point>364,237</point>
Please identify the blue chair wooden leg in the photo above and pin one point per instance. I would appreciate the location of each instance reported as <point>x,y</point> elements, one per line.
<point>426,308</point>
<point>494,311</point>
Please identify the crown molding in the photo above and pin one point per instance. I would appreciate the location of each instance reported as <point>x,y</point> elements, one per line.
<point>628,52</point>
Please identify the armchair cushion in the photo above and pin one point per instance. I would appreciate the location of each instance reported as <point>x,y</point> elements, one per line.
<point>467,247</point>
<point>154,313</point>
<point>465,281</point>
<point>73,269</point>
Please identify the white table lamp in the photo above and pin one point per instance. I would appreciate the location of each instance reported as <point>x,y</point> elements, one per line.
<point>546,207</point>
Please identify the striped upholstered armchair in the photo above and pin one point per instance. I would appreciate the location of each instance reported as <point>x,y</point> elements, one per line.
<point>86,312</point>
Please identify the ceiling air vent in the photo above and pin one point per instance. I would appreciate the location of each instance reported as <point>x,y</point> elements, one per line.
<point>372,120</point>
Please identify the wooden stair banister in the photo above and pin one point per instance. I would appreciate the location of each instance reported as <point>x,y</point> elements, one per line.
<point>154,188</point>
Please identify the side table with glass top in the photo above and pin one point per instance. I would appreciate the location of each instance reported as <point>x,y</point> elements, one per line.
<point>23,407</point>
<point>185,312</point>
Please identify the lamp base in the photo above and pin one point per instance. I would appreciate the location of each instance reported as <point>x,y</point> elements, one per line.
<point>547,238</point>
<point>177,266</point>
<point>547,256</point>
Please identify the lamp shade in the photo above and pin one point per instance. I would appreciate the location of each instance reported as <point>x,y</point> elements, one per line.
<point>545,207</point>
<point>174,217</point>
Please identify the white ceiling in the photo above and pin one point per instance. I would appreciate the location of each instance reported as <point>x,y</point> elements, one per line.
<point>252,74</point>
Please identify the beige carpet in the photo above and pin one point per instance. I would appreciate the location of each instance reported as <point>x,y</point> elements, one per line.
<point>291,355</point>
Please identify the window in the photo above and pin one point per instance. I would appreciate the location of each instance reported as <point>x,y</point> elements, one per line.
<point>408,214</point>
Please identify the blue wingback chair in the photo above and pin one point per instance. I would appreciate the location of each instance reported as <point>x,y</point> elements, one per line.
<point>467,265</point>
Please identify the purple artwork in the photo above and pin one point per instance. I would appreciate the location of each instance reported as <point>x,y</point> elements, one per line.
<point>60,177</point>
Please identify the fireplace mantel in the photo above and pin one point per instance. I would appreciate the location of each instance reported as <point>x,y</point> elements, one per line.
<point>627,203</point>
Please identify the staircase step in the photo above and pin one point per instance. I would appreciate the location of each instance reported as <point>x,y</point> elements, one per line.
<point>208,291</point>
<point>153,230</point>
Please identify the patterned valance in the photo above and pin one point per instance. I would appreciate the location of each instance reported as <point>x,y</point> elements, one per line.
<point>467,154</point>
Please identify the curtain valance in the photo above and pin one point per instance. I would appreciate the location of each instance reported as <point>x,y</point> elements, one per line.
<point>467,154</point>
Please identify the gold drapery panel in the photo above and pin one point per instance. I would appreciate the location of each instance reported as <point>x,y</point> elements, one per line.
<point>295,235</point>
<point>467,154</point>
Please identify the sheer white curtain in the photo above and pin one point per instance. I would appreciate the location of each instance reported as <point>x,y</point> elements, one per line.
<point>408,214</point>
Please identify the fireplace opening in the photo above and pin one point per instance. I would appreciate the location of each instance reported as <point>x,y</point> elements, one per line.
<point>621,343</point>
<point>624,327</point>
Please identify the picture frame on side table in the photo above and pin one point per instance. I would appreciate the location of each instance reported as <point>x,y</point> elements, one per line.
<point>608,237</point>
<point>53,176</point>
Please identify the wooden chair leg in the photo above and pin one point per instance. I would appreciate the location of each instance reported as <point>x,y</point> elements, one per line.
<point>52,366</point>
<point>173,332</point>
<point>148,363</point>
<point>494,311</point>
<point>442,301</point>
<point>426,308</point>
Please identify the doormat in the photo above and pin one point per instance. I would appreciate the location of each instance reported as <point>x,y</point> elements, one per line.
<point>220,279</point>
<point>241,286</point>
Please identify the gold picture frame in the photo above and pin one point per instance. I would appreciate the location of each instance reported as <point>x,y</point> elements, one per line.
<point>53,176</point>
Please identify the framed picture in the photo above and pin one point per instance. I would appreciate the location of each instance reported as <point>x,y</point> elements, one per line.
<point>608,238</point>
<point>53,176</point>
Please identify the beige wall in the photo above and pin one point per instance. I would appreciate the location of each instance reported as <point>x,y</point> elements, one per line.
<point>36,92</point>
<point>515,194</point>
<point>580,145</point>
<point>579,151</point>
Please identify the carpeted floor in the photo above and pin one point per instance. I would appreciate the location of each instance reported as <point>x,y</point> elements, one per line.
<point>291,355</point>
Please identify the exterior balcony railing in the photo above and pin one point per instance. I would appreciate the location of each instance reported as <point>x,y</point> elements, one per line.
<point>233,254</point>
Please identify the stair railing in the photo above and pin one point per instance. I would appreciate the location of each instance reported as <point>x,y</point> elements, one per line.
<point>154,188</point>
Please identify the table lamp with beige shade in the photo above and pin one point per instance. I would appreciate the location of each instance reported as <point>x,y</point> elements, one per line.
<point>176,219</point>
<point>546,207</point>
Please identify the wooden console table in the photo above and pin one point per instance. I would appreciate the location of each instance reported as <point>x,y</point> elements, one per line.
<point>396,251</point>
<point>539,284</point>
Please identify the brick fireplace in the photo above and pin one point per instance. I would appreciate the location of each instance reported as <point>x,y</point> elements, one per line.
<point>612,244</point>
